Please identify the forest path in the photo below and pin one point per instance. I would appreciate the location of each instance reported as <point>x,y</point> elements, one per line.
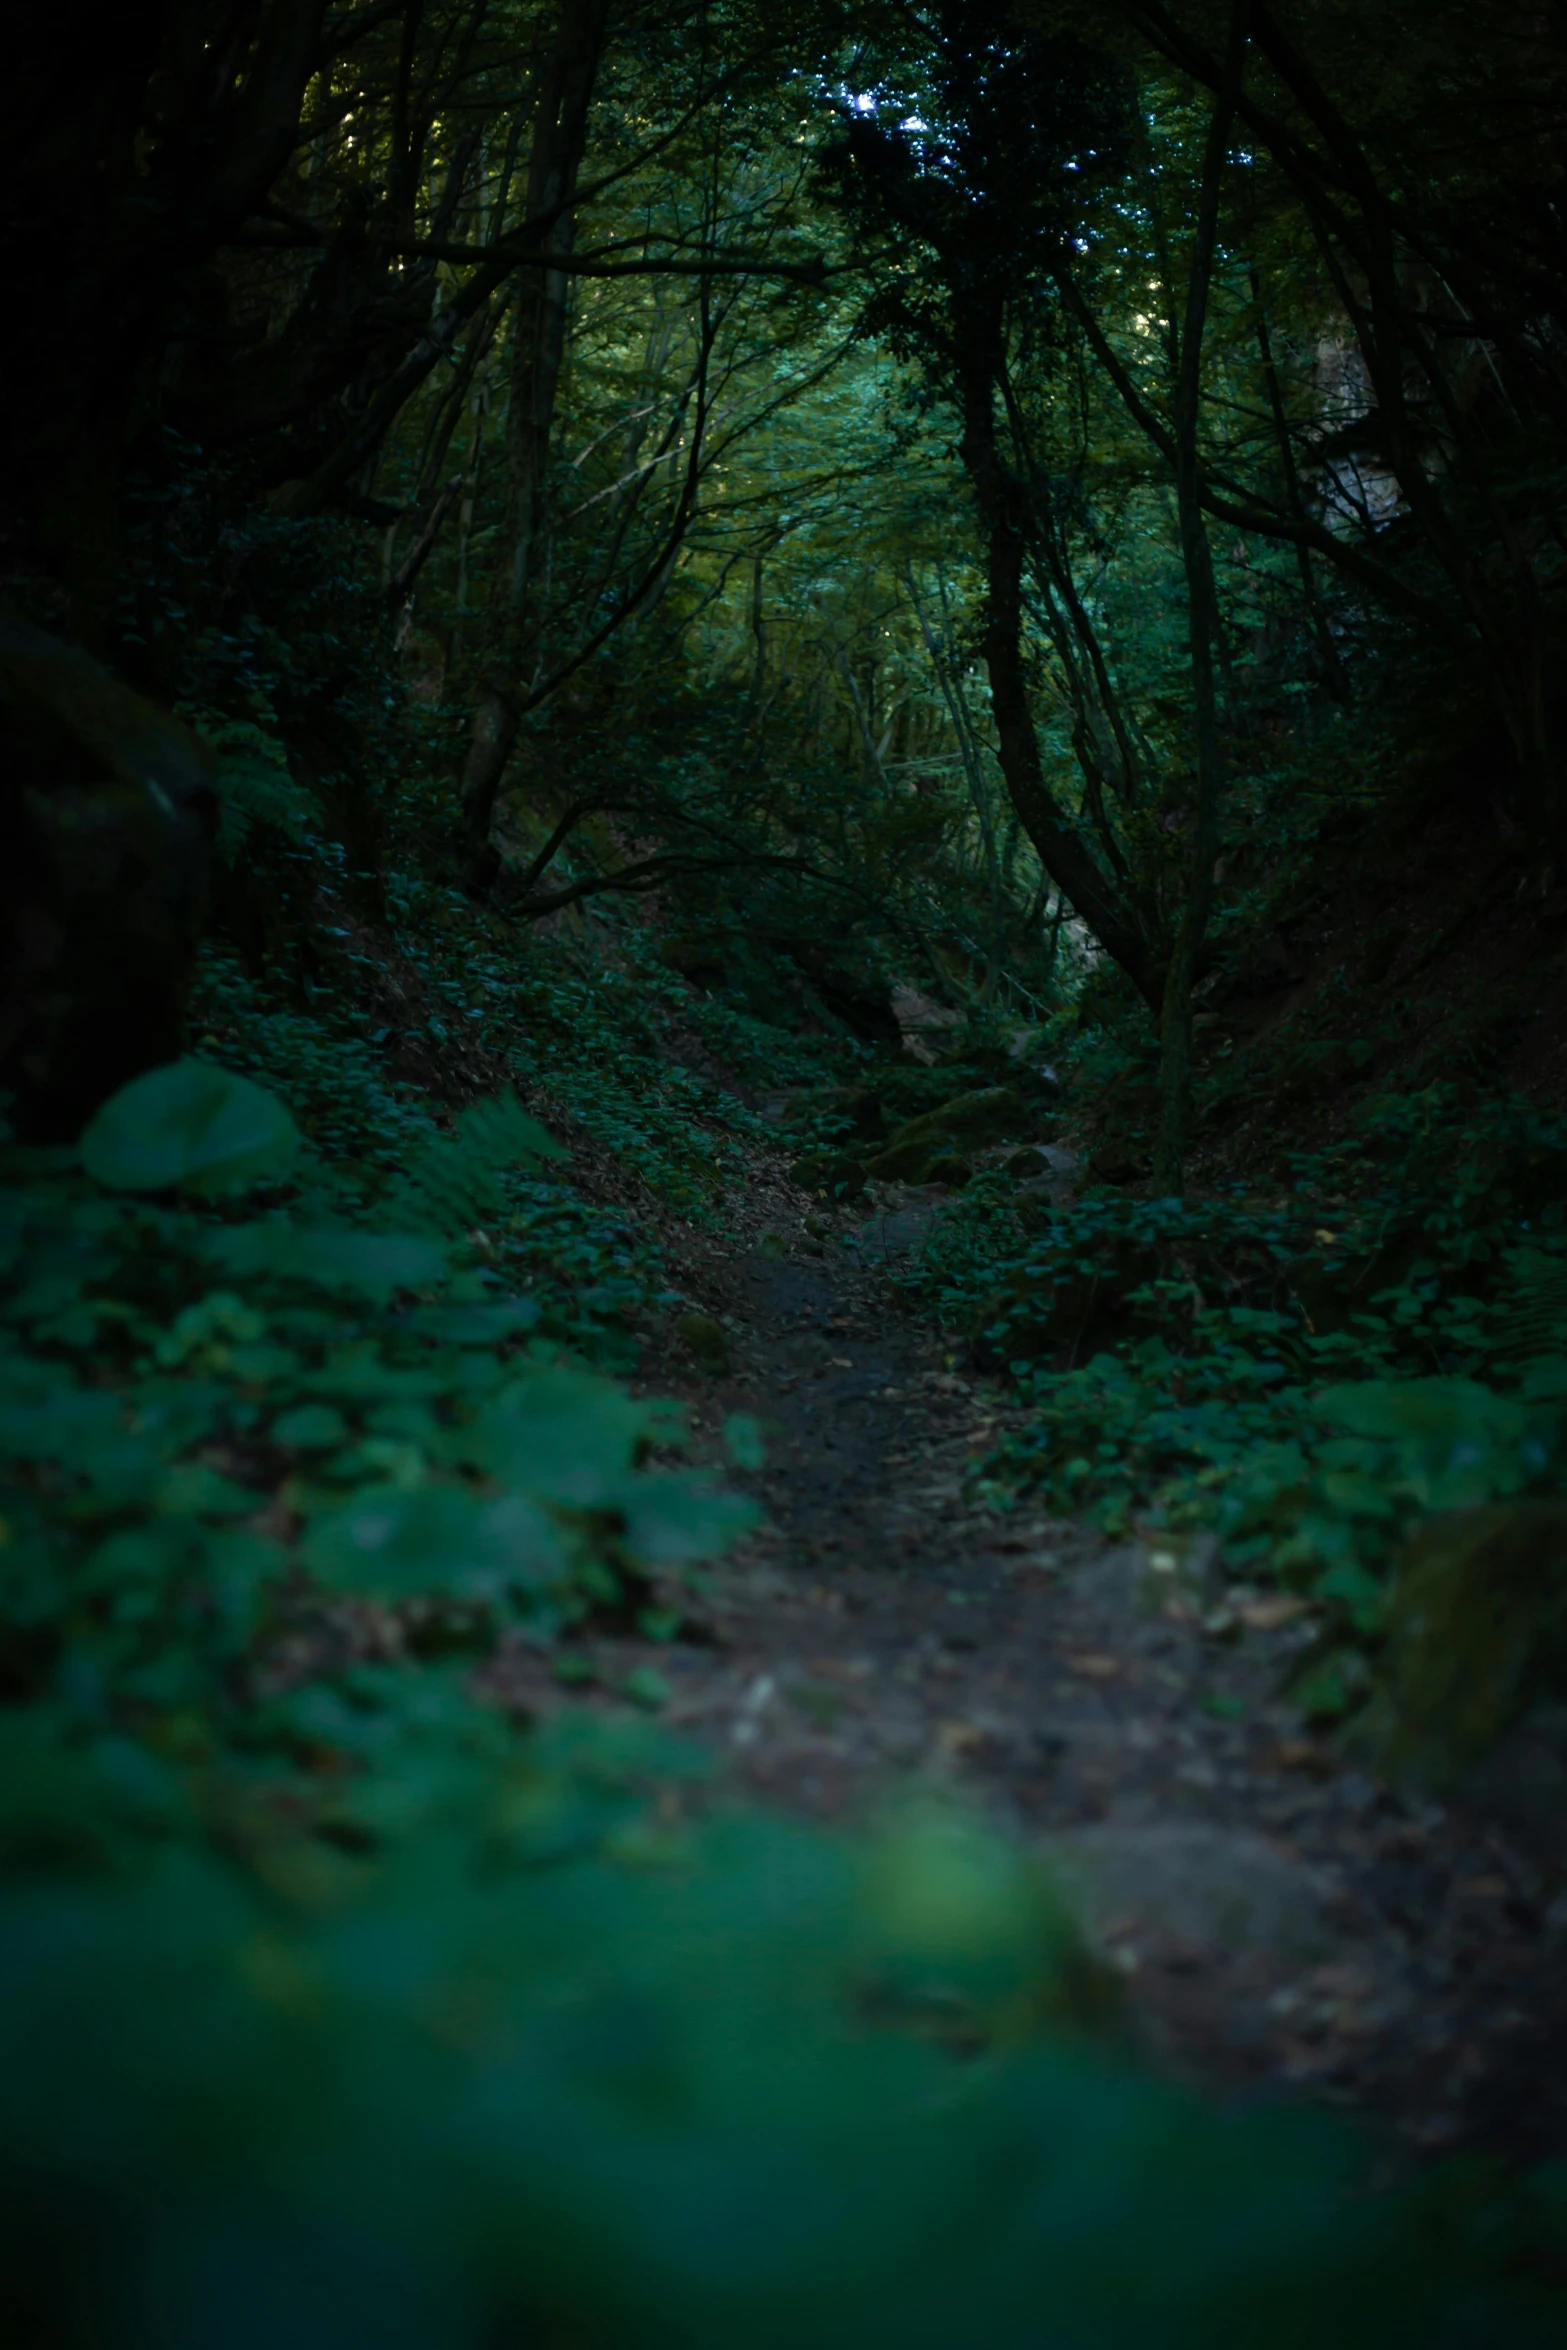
<point>1283,1923</point>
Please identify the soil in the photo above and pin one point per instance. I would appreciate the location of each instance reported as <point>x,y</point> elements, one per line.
<point>1284,1923</point>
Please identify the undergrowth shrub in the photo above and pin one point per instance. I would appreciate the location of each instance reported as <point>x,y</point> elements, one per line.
<point>1309,1375</point>
<point>334,2006</point>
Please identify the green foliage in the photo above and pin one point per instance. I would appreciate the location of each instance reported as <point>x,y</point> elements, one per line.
<point>189,1127</point>
<point>456,1185</point>
<point>255,786</point>
<point>1311,1381</point>
<point>349,2004</point>
<point>1533,1321</point>
<point>353,1399</point>
<point>547,2063</point>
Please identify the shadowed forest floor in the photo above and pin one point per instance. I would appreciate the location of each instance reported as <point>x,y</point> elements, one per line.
<point>1283,1923</point>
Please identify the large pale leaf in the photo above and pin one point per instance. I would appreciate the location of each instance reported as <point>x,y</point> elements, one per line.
<point>561,1434</point>
<point>436,1538</point>
<point>189,1126</point>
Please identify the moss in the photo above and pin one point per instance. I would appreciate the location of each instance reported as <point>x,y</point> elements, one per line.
<point>984,1116</point>
<point>830,1173</point>
<point>706,1341</point>
<point>915,1149</point>
<point>1477,1635</point>
<point>905,1162</point>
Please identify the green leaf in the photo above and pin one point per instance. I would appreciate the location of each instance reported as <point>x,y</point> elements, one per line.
<point>455,1183</point>
<point>646,1687</point>
<point>672,1518</point>
<point>501,1132</point>
<point>744,1442</point>
<point>561,1434</point>
<point>1362,1596</point>
<point>311,1427</point>
<point>1334,1686</point>
<point>437,1538</point>
<point>193,1490</point>
<point>476,1325</point>
<point>1422,1411</point>
<point>345,1263</point>
<point>189,1126</point>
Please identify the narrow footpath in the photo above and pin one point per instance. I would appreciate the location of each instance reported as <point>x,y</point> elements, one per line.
<point>1284,1924</point>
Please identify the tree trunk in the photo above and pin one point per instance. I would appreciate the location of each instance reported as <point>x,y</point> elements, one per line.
<point>1062,852</point>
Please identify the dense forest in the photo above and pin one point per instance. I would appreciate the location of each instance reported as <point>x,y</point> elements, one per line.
<point>783,1175</point>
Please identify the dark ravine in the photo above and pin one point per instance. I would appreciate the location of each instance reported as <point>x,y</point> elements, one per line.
<point>1284,1924</point>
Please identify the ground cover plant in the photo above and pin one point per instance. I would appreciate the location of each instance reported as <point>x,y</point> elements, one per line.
<point>1307,1377</point>
<point>433,2025</point>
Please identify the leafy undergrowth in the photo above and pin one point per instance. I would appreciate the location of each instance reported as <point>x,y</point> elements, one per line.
<point>1309,1376</point>
<point>337,2007</point>
<point>583,1022</point>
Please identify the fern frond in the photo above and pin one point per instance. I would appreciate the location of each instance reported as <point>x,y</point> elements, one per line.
<point>255,786</point>
<point>455,1185</point>
<point>499,1131</point>
<point>1532,1316</point>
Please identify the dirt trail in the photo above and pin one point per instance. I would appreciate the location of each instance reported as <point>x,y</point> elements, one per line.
<point>1283,1922</point>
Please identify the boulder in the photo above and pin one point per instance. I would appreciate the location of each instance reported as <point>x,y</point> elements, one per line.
<point>979,1117</point>
<point>902,1162</point>
<point>1477,1636</point>
<point>1195,1887</point>
<point>970,1118</point>
<point>829,1174</point>
<point>925,1027</point>
<point>706,1341</point>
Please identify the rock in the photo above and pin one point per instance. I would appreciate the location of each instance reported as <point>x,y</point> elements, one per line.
<point>923,1024</point>
<point>706,1341</point>
<point>968,1118</point>
<point>1063,1176</point>
<point>905,1162</point>
<point>830,1174</point>
<point>1477,1633</point>
<point>1194,1885</point>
